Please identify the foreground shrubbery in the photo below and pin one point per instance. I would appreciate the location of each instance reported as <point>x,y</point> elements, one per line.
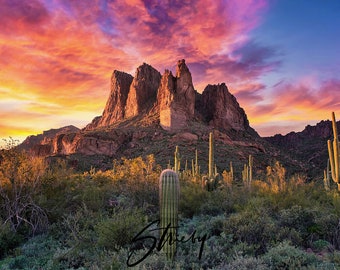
<point>93,216</point>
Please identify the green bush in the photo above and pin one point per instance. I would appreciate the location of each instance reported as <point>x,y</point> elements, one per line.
<point>118,231</point>
<point>245,263</point>
<point>285,256</point>
<point>192,198</point>
<point>8,239</point>
<point>36,253</point>
<point>257,229</point>
<point>301,220</point>
<point>217,203</point>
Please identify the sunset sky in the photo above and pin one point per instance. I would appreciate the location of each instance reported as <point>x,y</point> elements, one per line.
<point>281,59</point>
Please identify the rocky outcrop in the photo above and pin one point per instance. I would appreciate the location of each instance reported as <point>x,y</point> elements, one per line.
<point>168,102</point>
<point>143,91</point>
<point>42,143</point>
<point>220,109</point>
<point>176,98</point>
<point>129,96</point>
<point>115,106</point>
<point>172,98</point>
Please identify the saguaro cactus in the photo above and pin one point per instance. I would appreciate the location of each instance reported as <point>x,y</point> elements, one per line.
<point>334,154</point>
<point>247,173</point>
<point>168,202</point>
<point>210,182</point>
<point>177,160</point>
<point>211,154</point>
<point>326,182</point>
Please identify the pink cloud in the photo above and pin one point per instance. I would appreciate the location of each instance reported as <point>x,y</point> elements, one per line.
<point>67,50</point>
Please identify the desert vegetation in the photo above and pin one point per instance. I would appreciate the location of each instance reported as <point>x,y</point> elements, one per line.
<point>54,217</point>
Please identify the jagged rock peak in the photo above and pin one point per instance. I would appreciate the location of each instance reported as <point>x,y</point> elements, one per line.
<point>173,98</point>
<point>181,68</point>
<point>221,109</point>
<point>116,103</point>
<point>176,98</point>
<point>143,90</point>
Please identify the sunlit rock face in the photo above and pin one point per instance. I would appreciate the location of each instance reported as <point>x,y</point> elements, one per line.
<point>115,106</point>
<point>176,98</point>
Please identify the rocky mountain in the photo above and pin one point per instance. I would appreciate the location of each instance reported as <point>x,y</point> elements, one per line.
<point>150,113</point>
<point>172,99</point>
<point>308,146</point>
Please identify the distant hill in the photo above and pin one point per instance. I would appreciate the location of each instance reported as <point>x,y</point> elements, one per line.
<point>308,146</point>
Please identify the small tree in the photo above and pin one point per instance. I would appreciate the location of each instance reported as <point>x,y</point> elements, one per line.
<point>20,181</point>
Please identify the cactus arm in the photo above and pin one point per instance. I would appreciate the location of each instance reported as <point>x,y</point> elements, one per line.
<point>196,162</point>
<point>177,160</point>
<point>192,168</point>
<point>333,152</point>
<point>250,168</point>
<point>336,148</point>
<point>211,154</point>
<point>336,159</point>
<point>331,159</point>
<point>231,171</point>
<point>335,130</point>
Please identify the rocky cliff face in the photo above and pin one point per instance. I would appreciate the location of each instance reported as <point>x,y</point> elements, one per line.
<point>172,98</point>
<point>221,110</point>
<point>143,91</point>
<point>171,102</point>
<point>115,106</point>
<point>176,98</point>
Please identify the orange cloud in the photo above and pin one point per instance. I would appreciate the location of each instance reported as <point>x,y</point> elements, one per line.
<point>57,56</point>
<point>294,105</point>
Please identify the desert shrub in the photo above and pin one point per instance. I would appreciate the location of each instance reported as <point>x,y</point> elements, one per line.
<point>138,179</point>
<point>192,198</point>
<point>335,257</point>
<point>301,220</point>
<point>218,202</point>
<point>327,225</point>
<point>8,239</point>
<point>291,235</point>
<point>78,227</point>
<point>36,253</point>
<point>321,245</point>
<point>118,231</point>
<point>285,256</point>
<point>20,183</point>
<point>256,228</point>
<point>245,263</point>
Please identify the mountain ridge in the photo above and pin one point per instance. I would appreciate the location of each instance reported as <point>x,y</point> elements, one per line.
<point>151,113</point>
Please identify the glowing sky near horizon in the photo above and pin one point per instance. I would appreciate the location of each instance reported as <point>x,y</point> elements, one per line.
<point>281,59</point>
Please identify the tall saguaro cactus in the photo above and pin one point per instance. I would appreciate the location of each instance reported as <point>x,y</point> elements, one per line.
<point>211,154</point>
<point>177,160</point>
<point>334,153</point>
<point>210,182</point>
<point>247,173</point>
<point>168,202</point>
